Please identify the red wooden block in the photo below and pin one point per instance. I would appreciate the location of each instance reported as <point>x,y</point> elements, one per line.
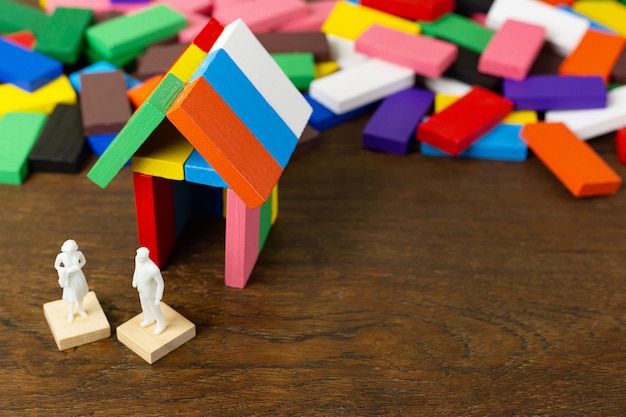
<point>459,125</point>
<point>620,144</point>
<point>207,36</point>
<point>156,219</point>
<point>413,9</point>
<point>23,38</point>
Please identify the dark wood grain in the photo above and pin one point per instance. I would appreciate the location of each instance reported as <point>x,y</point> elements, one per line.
<point>388,286</point>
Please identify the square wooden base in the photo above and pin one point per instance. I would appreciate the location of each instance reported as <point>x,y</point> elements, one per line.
<point>82,330</point>
<point>151,347</point>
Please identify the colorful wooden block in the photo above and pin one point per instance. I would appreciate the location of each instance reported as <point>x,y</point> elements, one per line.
<point>156,220</point>
<point>247,103</point>
<point>259,67</point>
<point>163,154</point>
<point>195,23</point>
<point>61,145</point>
<point>564,30</point>
<point>424,55</point>
<point>16,16</point>
<point>317,13</point>
<point>18,134</point>
<point>99,143</point>
<point>520,117</point>
<point>103,102</point>
<point>465,69</point>
<point>141,124</point>
<point>502,143</point>
<point>198,170</point>
<point>459,30</point>
<point>428,10</point>
<point>158,59</point>
<point>62,37</point>
<point>618,74</point>
<point>357,86</point>
<point>258,16</point>
<point>82,330</point>
<point>556,92</point>
<point>128,36</point>
<point>309,139</point>
<point>313,42</point>
<point>620,145</point>
<point>323,69</point>
<point>23,38</point>
<point>98,6</point>
<point>548,61</point>
<point>299,67</point>
<point>447,85</point>
<point>242,240</point>
<point>607,12</point>
<point>512,50</point>
<point>208,35</point>
<point>186,64</point>
<point>596,54</point>
<point>41,101</point>
<point>571,160</point>
<point>344,53</point>
<point>593,25</point>
<point>392,126</point>
<point>587,124</point>
<point>26,69</point>
<point>140,93</point>
<point>351,20</point>
<point>190,6</point>
<point>98,67</point>
<point>461,124</point>
<point>469,7</point>
<point>265,218</point>
<point>323,118</point>
<point>220,136</point>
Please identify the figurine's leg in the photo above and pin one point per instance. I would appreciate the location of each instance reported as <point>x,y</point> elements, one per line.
<point>148,317</point>
<point>81,310</point>
<point>156,311</point>
<point>70,317</point>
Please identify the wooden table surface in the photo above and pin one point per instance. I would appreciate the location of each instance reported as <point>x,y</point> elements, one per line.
<point>388,286</point>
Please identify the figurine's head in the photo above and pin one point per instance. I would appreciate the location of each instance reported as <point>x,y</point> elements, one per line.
<point>69,246</point>
<point>142,254</point>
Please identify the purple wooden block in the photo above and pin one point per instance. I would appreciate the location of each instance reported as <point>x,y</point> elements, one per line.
<point>556,92</point>
<point>392,126</point>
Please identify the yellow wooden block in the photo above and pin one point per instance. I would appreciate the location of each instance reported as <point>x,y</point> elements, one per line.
<point>151,347</point>
<point>42,100</point>
<point>188,63</point>
<point>163,154</point>
<point>82,330</point>
<point>348,20</point>
<point>274,204</point>
<point>325,68</point>
<point>609,13</point>
<point>515,117</point>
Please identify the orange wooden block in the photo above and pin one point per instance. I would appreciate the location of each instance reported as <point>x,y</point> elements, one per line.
<point>209,124</point>
<point>596,54</point>
<point>571,159</point>
<point>138,94</point>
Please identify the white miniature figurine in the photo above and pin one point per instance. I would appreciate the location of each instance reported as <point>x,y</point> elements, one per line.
<point>69,264</point>
<point>149,282</point>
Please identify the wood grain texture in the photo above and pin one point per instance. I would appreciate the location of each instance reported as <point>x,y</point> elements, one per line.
<point>388,286</point>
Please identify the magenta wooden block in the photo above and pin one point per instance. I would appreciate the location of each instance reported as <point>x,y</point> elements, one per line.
<point>425,55</point>
<point>620,144</point>
<point>317,14</point>
<point>392,127</point>
<point>512,50</point>
<point>257,15</point>
<point>195,23</point>
<point>188,7</point>
<point>556,92</point>
<point>242,240</point>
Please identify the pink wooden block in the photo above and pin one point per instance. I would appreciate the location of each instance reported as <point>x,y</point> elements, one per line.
<point>424,55</point>
<point>129,7</point>
<point>195,23</point>
<point>258,15</point>
<point>479,18</point>
<point>242,240</point>
<point>188,7</point>
<point>620,143</point>
<point>98,6</point>
<point>512,50</point>
<point>312,21</point>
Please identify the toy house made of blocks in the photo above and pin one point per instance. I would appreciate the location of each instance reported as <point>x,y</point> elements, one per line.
<point>224,117</point>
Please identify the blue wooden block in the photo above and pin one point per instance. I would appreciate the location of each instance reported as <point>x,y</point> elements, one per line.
<point>198,170</point>
<point>323,118</point>
<point>392,126</point>
<point>249,105</point>
<point>28,70</point>
<point>502,143</point>
<point>556,92</point>
<point>100,66</point>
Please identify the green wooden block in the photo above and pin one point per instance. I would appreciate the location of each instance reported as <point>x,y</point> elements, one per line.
<point>132,33</point>
<point>18,135</point>
<point>298,66</point>
<point>459,30</point>
<point>62,36</point>
<point>141,124</point>
<point>16,16</point>
<point>266,221</point>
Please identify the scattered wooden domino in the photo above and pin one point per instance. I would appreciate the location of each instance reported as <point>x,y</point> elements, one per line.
<point>258,16</point>
<point>609,13</point>
<point>158,59</point>
<point>18,134</point>
<point>459,30</point>
<point>28,70</point>
<point>62,37</point>
<point>43,100</point>
<point>313,42</point>
<point>414,10</point>
<point>103,102</point>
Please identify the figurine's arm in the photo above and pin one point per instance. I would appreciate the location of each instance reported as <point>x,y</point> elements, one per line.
<point>160,286</point>
<point>79,265</point>
<point>61,271</point>
<point>135,278</point>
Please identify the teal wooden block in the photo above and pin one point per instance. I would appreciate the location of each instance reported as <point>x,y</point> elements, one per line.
<point>18,135</point>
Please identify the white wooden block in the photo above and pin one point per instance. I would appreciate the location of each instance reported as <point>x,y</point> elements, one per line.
<point>261,69</point>
<point>151,347</point>
<point>343,52</point>
<point>356,86</point>
<point>588,124</point>
<point>564,30</point>
<point>447,86</point>
<point>82,330</point>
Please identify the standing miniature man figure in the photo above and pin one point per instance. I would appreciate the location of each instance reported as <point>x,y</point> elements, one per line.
<point>69,264</point>
<point>149,282</point>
